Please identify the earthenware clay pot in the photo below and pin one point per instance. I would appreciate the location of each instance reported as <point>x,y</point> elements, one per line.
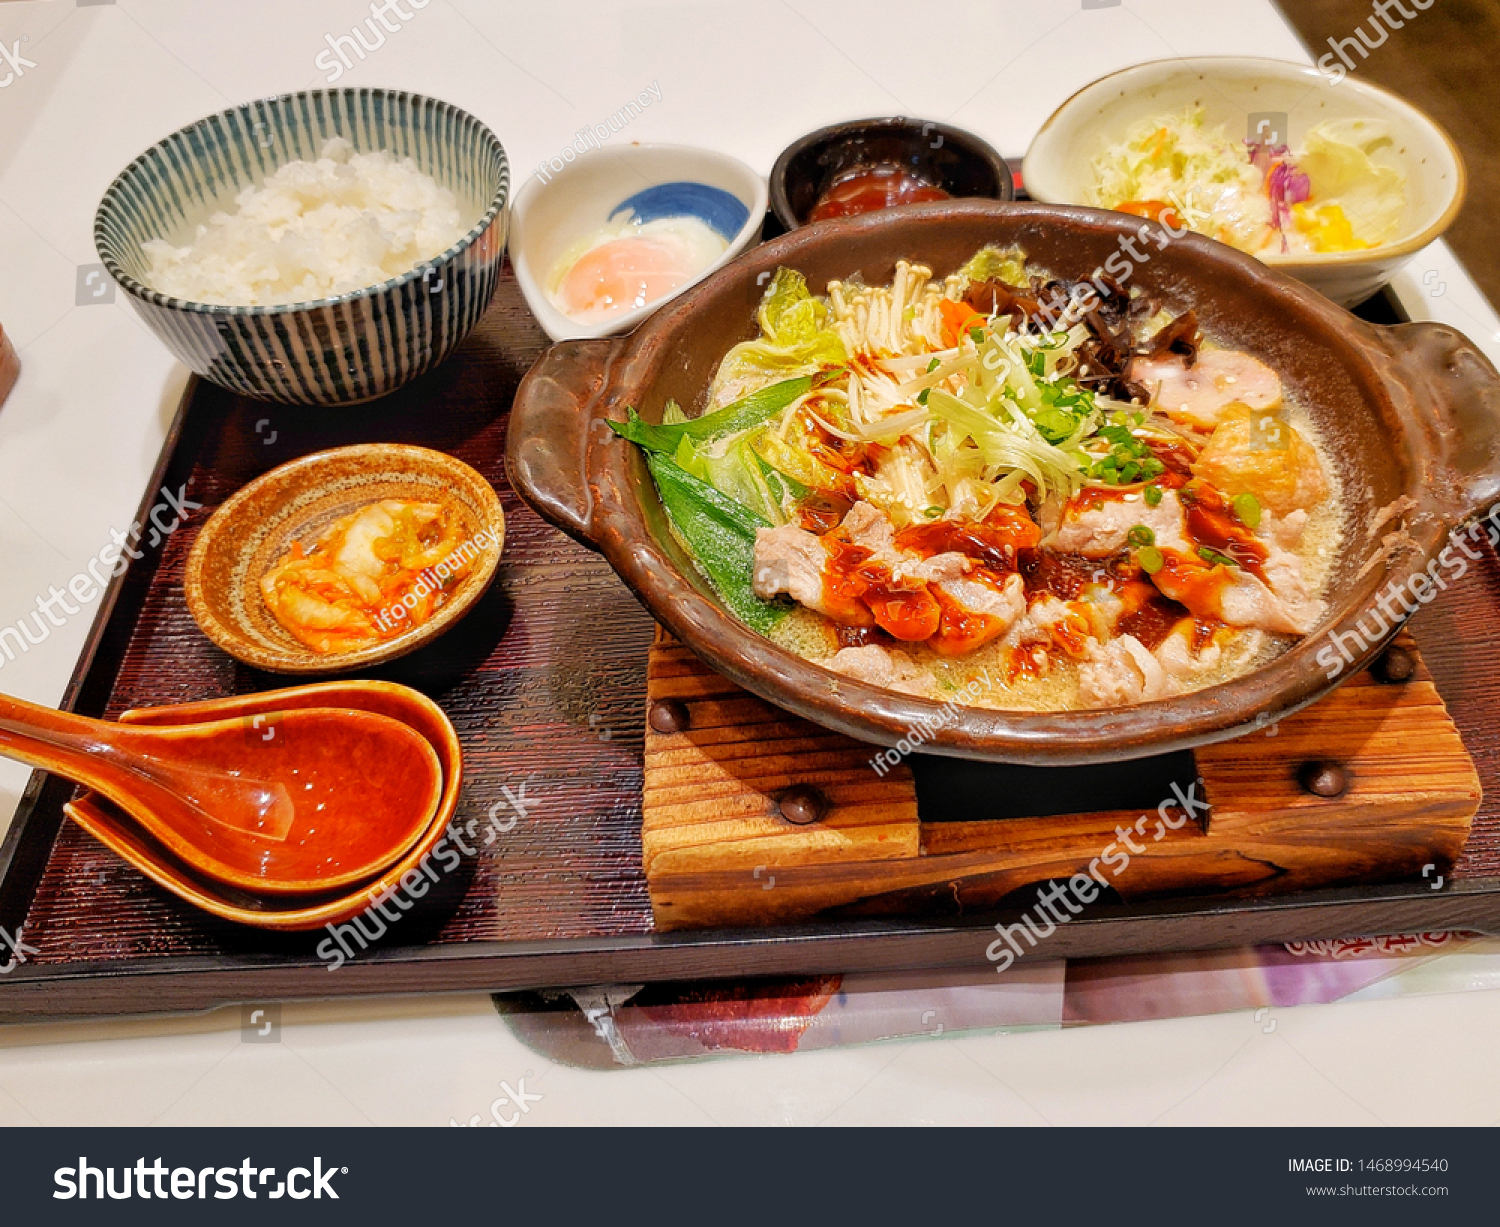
<point>1409,413</point>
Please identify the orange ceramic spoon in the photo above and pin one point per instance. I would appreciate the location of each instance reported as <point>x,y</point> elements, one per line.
<point>296,802</point>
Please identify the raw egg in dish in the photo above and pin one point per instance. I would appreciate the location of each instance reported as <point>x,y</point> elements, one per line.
<point>627,265</point>
<point>668,236</point>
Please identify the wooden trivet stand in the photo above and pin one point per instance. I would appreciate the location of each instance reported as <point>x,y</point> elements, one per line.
<point>753,816</point>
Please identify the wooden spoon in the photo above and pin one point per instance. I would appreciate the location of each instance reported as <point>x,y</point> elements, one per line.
<point>293,802</point>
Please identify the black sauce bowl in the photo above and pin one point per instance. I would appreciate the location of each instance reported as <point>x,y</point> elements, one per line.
<point>946,157</point>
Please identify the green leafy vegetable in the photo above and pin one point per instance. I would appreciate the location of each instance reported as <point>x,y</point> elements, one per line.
<point>997,264</point>
<point>796,339</point>
<point>754,410</point>
<point>720,535</point>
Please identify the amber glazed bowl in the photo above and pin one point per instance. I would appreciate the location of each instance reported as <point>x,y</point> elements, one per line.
<point>1411,415</point>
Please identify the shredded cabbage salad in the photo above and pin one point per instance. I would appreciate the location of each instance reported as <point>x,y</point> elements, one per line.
<point>1339,192</point>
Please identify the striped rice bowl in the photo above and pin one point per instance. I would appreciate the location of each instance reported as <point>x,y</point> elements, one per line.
<point>331,351</point>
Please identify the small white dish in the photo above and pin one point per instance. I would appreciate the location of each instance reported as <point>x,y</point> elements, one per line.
<point>1232,91</point>
<point>548,217</point>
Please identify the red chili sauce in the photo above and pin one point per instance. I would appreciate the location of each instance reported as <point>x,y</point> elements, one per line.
<point>865,191</point>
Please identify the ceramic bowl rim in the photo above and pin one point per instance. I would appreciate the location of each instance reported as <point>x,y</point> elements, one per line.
<point>139,289</point>
<point>1403,246</point>
<point>305,662</point>
<point>531,286</point>
<point>781,204</point>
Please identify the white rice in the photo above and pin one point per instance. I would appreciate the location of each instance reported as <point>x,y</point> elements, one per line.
<point>312,230</point>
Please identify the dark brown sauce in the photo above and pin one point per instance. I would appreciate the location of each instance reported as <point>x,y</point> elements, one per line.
<point>1211,523</point>
<point>859,636</point>
<point>998,542</point>
<point>1063,575</point>
<point>822,513</point>
<point>1204,630</point>
<point>865,191</point>
<point>1152,621</point>
<point>1178,458</point>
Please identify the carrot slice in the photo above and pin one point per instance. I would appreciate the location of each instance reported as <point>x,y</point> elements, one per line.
<point>958,318</point>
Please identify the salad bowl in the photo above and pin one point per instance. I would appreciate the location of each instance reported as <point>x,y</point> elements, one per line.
<point>1410,415</point>
<point>1275,102</point>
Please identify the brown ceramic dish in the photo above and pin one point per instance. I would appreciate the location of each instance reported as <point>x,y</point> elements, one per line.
<point>1408,412</point>
<point>250,533</point>
<point>116,831</point>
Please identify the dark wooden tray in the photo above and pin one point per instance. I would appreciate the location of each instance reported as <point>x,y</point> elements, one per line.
<point>545,682</point>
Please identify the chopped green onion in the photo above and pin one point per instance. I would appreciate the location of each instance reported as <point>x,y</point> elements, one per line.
<point>976,334</point>
<point>1150,559</point>
<point>923,395</point>
<point>1213,556</point>
<point>1247,509</point>
<point>1141,535</point>
<point>932,513</point>
<point>1153,496</point>
<point>933,365</point>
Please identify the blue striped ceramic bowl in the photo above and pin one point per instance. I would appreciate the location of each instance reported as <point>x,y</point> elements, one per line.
<point>330,351</point>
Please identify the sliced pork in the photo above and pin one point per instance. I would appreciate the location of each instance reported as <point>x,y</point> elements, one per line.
<point>1181,658</point>
<point>791,560</point>
<point>1120,672</point>
<point>1198,395</point>
<point>1238,598</point>
<point>890,668</point>
<point>1098,530</point>
<point>976,612</point>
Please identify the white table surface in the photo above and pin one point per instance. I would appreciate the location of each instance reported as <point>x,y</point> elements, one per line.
<point>81,431</point>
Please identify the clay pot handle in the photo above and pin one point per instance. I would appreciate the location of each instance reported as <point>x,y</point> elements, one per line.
<point>551,424</point>
<point>1440,378</point>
